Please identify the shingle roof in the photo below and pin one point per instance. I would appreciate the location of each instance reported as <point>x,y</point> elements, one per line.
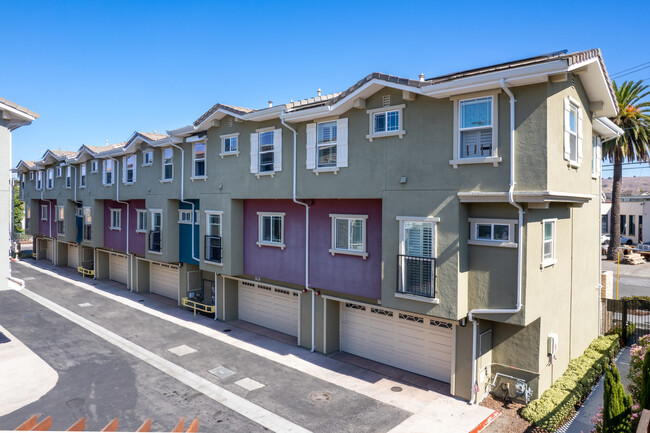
<point>231,108</point>
<point>102,149</point>
<point>153,136</point>
<point>63,153</point>
<point>18,107</point>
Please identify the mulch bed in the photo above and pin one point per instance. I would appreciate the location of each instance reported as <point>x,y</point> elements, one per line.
<point>509,421</point>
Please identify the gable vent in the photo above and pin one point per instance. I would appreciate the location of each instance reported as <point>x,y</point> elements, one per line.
<point>230,122</point>
<point>386,100</point>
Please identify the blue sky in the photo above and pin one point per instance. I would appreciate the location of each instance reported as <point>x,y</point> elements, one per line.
<point>97,71</point>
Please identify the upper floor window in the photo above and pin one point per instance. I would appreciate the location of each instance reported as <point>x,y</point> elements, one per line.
<point>475,127</point>
<point>128,171</point>
<point>39,180</point>
<point>44,212</point>
<point>141,225</point>
<point>548,243</point>
<point>386,121</point>
<point>199,160</point>
<point>31,175</point>
<point>60,220</point>
<point>230,144</point>
<point>266,151</point>
<point>596,157</point>
<point>213,250</point>
<point>492,232</point>
<point>168,164</point>
<point>87,223</point>
<point>327,145</point>
<point>155,235</point>
<point>58,171</point>
<point>94,166</point>
<point>22,183</point>
<point>28,216</point>
<point>68,177</point>
<point>271,229</point>
<point>572,132</point>
<point>116,219</point>
<point>185,216</point>
<point>417,256</point>
<point>349,235</point>
<point>109,168</point>
<point>147,157</point>
<point>82,175</point>
<point>50,178</point>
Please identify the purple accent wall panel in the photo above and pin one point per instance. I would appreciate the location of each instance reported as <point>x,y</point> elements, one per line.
<point>114,239</point>
<point>341,273</point>
<point>137,241</point>
<point>43,228</point>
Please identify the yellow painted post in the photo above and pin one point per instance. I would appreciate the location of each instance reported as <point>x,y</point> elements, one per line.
<point>618,266</point>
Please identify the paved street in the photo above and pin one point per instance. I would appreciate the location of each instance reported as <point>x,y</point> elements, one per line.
<point>633,280</point>
<point>111,350</point>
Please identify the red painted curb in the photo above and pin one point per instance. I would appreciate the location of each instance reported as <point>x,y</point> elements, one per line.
<point>486,422</point>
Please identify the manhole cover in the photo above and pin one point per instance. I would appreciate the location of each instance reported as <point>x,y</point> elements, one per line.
<point>320,396</point>
<point>396,389</point>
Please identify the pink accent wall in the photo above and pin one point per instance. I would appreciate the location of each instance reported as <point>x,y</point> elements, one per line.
<point>114,239</point>
<point>43,228</point>
<point>341,273</point>
<point>137,241</point>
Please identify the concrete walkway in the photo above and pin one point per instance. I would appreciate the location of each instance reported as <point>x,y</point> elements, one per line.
<point>581,422</point>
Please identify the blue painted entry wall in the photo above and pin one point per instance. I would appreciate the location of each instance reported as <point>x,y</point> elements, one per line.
<point>185,235</point>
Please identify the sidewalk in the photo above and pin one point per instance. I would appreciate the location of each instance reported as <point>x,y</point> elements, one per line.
<point>581,422</point>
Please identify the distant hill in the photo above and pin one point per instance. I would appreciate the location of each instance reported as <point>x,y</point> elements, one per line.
<point>631,186</point>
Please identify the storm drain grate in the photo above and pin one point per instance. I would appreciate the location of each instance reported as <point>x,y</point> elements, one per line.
<point>4,338</point>
<point>396,389</point>
<point>320,396</point>
<point>221,372</point>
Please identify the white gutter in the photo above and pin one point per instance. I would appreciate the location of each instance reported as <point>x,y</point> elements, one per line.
<point>295,200</point>
<point>519,246</point>
<point>128,226</point>
<point>183,195</point>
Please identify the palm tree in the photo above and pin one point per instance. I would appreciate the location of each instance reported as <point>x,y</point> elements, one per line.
<point>634,119</point>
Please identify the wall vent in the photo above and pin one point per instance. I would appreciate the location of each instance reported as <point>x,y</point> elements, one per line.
<point>386,100</point>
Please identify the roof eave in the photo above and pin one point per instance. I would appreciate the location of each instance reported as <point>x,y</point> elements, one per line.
<point>597,86</point>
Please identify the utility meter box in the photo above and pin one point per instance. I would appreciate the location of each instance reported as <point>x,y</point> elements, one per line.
<point>552,344</point>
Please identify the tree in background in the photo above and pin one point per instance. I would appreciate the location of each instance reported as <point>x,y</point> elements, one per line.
<point>617,410</point>
<point>19,209</point>
<point>634,119</point>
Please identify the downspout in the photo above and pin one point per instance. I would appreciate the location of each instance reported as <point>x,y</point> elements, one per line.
<point>295,200</point>
<point>49,217</point>
<point>183,196</point>
<point>128,226</point>
<point>520,230</point>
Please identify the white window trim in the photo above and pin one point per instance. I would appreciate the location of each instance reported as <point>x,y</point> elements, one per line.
<point>434,253</point>
<point>126,170</point>
<point>39,180</point>
<point>59,171</point>
<point>82,168</point>
<point>163,179</point>
<point>144,160</point>
<point>182,211</point>
<point>334,143</point>
<point>495,159</point>
<point>47,179</point>
<point>137,220</point>
<point>371,115</point>
<point>333,250</point>
<point>152,212</point>
<point>31,175</point>
<point>510,243</point>
<point>58,210</point>
<point>68,175</point>
<point>598,157</point>
<point>259,153</point>
<point>105,171</point>
<point>261,243</point>
<point>579,137</point>
<point>94,166</point>
<point>207,227</point>
<point>223,145</point>
<point>119,212</point>
<point>205,161</point>
<point>549,262</point>
<point>44,215</point>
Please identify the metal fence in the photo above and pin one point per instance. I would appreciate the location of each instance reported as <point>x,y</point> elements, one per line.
<point>630,318</point>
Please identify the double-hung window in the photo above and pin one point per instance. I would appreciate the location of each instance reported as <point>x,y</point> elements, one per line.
<point>50,178</point>
<point>116,219</point>
<point>185,216</point>
<point>39,180</point>
<point>147,157</point>
<point>155,235</point>
<point>199,160</point>
<point>349,235</point>
<point>271,229</point>
<point>43,212</point>
<point>572,132</point>
<point>213,250</point>
<point>168,164</point>
<point>266,151</point>
<point>229,144</point>
<point>475,127</point>
<point>94,166</point>
<point>492,232</point>
<point>58,171</point>
<point>31,175</point>
<point>548,242</point>
<point>68,177</point>
<point>109,168</point>
<point>416,259</point>
<point>326,143</point>
<point>141,222</point>
<point>60,220</point>
<point>385,122</point>
<point>88,223</point>
<point>128,176</point>
<point>82,175</point>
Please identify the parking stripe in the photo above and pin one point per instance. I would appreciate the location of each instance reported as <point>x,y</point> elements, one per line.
<point>232,401</point>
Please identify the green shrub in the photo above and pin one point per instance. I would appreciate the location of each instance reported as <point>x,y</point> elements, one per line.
<point>558,402</point>
<point>617,409</point>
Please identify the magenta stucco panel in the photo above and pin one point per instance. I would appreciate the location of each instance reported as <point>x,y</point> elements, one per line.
<point>43,228</point>
<point>341,273</point>
<point>114,239</point>
<point>137,241</point>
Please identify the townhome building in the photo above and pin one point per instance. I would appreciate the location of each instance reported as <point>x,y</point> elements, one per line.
<point>432,224</point>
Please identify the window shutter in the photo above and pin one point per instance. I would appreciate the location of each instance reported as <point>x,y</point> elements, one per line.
<point>579,136</point>
<point>254,153</point>
<point>104,171</point>
<point>311,146</point>
<point>124,169</point>
<point>135,165</point>
<point>277,150</point>
<point>567,135</point>
<point>342,142</point>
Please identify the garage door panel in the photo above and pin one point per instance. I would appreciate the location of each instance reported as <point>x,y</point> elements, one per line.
<point>275,308</point>
<point>163,280</point>
<point>402,340</point>
<point>118,268</point>
<point>73,256</point>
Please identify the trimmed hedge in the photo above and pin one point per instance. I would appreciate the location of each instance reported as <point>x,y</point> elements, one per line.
<point>558,402</point>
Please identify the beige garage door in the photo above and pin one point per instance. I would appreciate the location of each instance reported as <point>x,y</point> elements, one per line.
<point>73,256</point>
<point>163,279</point>
<point>118,268</point>
<point>49,249</point>
<point>270,307</point>
<point>411,342</point>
